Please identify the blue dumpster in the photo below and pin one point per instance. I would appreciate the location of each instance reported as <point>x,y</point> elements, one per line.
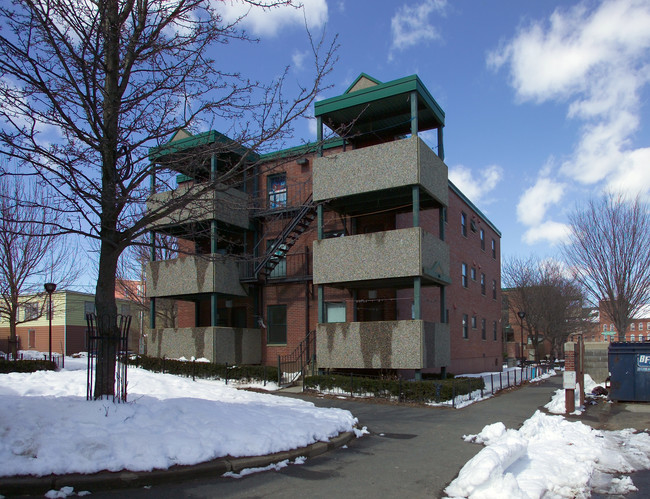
<point>629,367</point>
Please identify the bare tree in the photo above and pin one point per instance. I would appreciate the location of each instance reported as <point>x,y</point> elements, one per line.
<point>30,253</point>
<point>552,302</point>
<point>89,87</point>
<point>609,254</point>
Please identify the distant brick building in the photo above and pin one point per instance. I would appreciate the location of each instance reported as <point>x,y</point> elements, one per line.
<point>361,241</point>
<point>638,330</point>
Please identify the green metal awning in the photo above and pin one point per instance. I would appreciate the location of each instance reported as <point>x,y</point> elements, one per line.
<point>382,108</point>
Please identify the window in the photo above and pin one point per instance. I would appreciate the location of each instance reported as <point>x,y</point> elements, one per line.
<point>611,327</point>
<point>463,224</point>
<point>604,327</point>
<point>89,308</point>
<point>494,249</point>
<point>483,333</point>
<point>631,337</point>
<point>640,326</point>
<point>464,274</point>
<point>494,330</point>
<point>632,327</point>
<point>465,331</point>
<point>474,322</point>
<point>31,338</point>
<point>641,337</point>
<point>473,274</point>
<point>276,330</point>
<point>277,187</point>
<point>483,284</point>
<point>482,233</point>
<point>30,311</point>
<point>494,289</point>
<point>335,312</point>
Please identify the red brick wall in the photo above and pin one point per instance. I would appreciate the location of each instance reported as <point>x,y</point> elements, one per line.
<point>76,338</point>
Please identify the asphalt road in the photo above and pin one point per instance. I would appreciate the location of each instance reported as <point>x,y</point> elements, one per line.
<point>410,452</point>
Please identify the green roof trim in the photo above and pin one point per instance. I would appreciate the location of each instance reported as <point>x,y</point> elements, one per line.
<point>301,150</point>
<point>381,91</point>
<point>473,207</point>
<point>202,139</point>
<point>362,75</point>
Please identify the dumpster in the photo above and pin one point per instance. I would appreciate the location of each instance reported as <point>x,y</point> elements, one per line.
<point>629,367</point>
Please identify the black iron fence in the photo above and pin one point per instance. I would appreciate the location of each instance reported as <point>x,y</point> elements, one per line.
<point>294,266</point>
<point>107,355</point>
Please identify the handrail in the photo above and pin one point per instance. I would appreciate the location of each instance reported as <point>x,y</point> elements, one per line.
<point>303,354</point>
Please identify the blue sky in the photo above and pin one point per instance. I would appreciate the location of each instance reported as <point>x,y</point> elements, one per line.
<point>546,102</point>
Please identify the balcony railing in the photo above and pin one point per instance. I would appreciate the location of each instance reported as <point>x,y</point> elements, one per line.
<point>293,267</point>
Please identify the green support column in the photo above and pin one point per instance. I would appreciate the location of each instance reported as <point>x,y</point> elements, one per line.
<point>443,304</point>
<point>441,222</point>
<point>214,313</point>
<point>417,297</point>
<point>441,147</point>
<point>197,313</point>
<point>414,114</point>
<point>319,136</point>
<point>355,314</point>
<point>319,218</point>
<point>416,205</point>
<point>152,313</point>
<point>321,304</point>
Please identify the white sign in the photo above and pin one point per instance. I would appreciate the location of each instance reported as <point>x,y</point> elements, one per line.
<point>569,380</point>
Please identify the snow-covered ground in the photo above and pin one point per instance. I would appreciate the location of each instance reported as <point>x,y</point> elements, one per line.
<point>47,426</point>
<point>551,457</point>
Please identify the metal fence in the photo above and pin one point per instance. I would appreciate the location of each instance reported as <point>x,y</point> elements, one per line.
<point>107,354</point>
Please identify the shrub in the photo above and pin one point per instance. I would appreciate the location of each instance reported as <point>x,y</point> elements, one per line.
<point>26,366</point>
<point>205,369</point>
<point>405,391</point>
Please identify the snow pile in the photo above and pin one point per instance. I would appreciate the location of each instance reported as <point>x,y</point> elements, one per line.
<point>47,426</point>
<point>551,457</point>
<point>557,404</point>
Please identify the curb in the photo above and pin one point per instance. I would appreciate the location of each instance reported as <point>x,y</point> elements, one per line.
<point>30,485</point>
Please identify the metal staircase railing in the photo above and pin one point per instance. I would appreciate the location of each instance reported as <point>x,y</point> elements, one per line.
<point>293,366</point>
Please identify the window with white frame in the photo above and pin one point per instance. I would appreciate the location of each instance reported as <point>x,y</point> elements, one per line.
<point>483,284</point>
<point>474,322</point>
<point>464,274</point>
<point>631,337</point>
<point>640,337</point>
<point>494,330</point>
<point>335,312</point>
<point>30,311</point>
<point>463,224</point>
<point>494,249</point>
<point>640,326</point>
<point>465,326</point>
<point>482,233</point>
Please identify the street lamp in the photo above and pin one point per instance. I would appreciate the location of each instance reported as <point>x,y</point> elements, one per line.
<point>50,287</point>
<point>521,314</point>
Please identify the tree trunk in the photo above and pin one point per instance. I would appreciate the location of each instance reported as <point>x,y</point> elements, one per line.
<point>13,338</point>
<point>106,309</point>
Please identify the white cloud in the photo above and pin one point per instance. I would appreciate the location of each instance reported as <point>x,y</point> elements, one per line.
<point>411,26</point>
<point>475,185</point>
<point>298,59</point>
<point>595,58</point>
<point>271,20</point>
<point>550,232</point>
<point>536,200</point>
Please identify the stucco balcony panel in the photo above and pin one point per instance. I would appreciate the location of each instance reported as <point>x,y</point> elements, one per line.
<point>189,275</point>
<point>218,344</point>
<point>223,204</point>
<point>409,252</point>
<point>411,344</point>
<point>384,166</point>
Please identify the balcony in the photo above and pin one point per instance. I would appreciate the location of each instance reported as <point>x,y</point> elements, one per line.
<point>192,275</point>
<point>413,344</point>
<point>388,166</point>
<point>225,204</point>
<point>397,255</point>
<point>220,345</point>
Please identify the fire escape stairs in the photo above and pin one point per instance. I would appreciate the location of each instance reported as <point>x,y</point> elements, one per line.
<point>287,239</point>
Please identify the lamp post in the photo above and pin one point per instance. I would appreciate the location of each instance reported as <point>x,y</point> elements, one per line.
<point>50,287</point>
<point>521,314</point>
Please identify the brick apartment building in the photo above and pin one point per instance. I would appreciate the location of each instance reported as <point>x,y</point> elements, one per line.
<point>359,241</point>
<point>638,330</point>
